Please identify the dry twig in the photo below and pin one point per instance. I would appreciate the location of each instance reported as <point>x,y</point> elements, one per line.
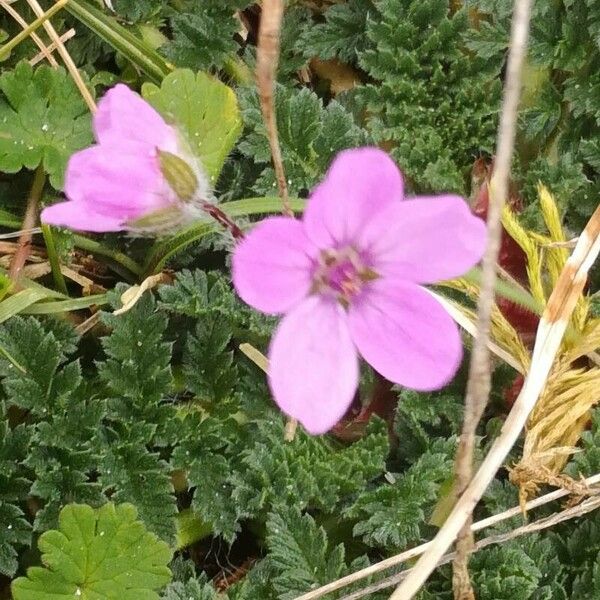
<point>45,52</point>
<point>267,58</point>
<point>478,385</point>
<point>570,513</point>
<point>393,561</point>
<point>24,243</point>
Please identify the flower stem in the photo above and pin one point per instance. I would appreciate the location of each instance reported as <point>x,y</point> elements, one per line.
<point>59,280</point>
<point>24,243</point>
<point>218,215</point>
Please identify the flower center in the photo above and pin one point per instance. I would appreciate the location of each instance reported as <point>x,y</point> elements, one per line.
<point>342,273</point>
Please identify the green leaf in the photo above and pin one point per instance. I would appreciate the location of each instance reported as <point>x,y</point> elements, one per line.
<point>342,35</point>
<point>15,530</point>
<point>203,34</point>
<point>103,554</point>
<point>204,109</point>
<point>43,120</point>
<point>140,477</point>
<point>208,364</point>
<point>300,552</point>
<point>310,135</point>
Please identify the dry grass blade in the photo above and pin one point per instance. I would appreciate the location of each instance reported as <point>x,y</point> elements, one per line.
<point>65,37</point>
<point>550,333</point>
<point>66,57</point>
<point>44,52</point>
<point>398,559</point>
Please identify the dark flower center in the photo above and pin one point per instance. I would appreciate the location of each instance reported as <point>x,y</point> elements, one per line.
<point>342,273</point>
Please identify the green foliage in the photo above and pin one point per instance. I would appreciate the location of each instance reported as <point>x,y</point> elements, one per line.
<point>300,554</point>
<point>105,553</point>
<point>341,35</point>
<point>203,33</point>
<point>15,531</point>
<point>204,109</point>
<point>157,407</point>
<point>138,10</point>
<point>394,513</point>
<point>431,101</point>
<point>43,120</point>
<point>587,462</point>
<point>310,133</point>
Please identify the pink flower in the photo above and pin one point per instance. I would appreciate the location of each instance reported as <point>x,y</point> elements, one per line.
<point>132,178</point>
<point>349,278</point>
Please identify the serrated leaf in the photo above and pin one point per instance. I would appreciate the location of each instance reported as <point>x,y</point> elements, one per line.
<point>15,530</point>
<point>103,554</point>
<point>140,477</point>
<point>299,551</point>
<point>42,120</point>
<point>204,109</point>
<point>310,134</point>
<point>203,34</point>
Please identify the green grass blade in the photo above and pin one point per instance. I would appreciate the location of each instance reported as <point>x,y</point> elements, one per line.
<point>122,40</point>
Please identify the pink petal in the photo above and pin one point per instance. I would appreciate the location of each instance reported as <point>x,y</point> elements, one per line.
<point>359,183</point>
<point>313,370</point>
<point>77,215</point>
<point>272,266</point>
<point>406,335</point>
<point>121,181</point>
<point>124,115</point>
<point>425,239</point>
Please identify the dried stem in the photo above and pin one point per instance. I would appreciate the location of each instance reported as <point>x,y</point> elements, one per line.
<point>551,331</point>
<point>46,52</point>
<point>64,54</point>
<point>478,385</point>
<point>267,58</point>
<point>398,559</point>
<point>24,244</point>
<point>65,37</point>
<point>42,19</point>
<point>573,512</point>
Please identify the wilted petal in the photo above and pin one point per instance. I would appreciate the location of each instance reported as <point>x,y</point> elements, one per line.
<point>425,239</point>
<point>359,183</point>
<point>77,215</point>
<point>121,181</point>
<point>406,335</point>
<point>124,115</point>
<point>272,266</point>
<point>313,370</point>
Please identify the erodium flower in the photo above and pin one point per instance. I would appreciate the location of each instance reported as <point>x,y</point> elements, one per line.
<point>349,278</point>
<point>139,176</point>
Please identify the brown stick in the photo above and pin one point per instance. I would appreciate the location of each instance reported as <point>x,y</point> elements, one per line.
<point>478,386</point>
<point>24,243</point>
<point>267,58</point>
